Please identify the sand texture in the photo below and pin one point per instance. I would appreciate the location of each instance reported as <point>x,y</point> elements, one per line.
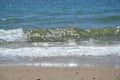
<point>58,73</point>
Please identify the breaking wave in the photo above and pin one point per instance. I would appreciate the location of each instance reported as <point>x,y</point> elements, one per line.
<point>67,41</point>
<point>15,35</point>
<point>104,35</point>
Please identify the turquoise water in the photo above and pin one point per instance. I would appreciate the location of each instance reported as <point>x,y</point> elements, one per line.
<point>59,13</point>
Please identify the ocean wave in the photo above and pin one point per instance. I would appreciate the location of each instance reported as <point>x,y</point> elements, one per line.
<point>109,18</point>
<point>66,34</point>
<point>72,33</point>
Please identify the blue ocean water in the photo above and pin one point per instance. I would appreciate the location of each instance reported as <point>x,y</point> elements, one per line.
<point>59,13</point>
<point>47,44</point>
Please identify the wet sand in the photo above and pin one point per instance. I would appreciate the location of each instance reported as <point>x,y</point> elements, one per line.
<point>58,73</point>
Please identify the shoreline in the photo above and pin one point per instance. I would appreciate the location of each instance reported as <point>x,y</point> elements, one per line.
<point>63,61</point>
<point>58,73</point>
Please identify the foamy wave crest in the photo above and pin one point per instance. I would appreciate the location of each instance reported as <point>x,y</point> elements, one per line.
<point>98,36</point>
<point>13,35</point>
<point>72,33</point>
<point>61,51</point>
<point>66,34</point>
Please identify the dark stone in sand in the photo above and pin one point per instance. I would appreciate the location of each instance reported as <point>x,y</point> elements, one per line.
<point>77,72</point>
<point>93,77</point>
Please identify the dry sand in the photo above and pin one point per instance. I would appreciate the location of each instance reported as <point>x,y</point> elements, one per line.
<point>59,73</point>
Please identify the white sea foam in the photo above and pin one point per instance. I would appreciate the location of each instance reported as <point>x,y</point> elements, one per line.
<point>46,64</point>
<point>12,35</point>
<point>53,64</point>
<point>61,51</point>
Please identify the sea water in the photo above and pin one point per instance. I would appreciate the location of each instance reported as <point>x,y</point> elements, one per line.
<point>60,32</point>
<point>59,13</point>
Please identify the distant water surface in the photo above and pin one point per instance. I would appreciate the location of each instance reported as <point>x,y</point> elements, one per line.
<point>59,13</point>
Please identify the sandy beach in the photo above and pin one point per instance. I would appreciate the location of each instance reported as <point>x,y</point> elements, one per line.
<point>59,39</point>
<point>58,73</point>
